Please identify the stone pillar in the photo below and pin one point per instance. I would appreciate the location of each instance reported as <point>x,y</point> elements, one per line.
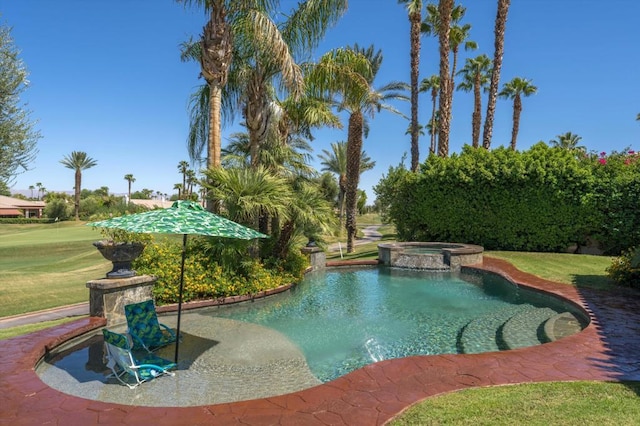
<point>108,296</point>
<point>317,257</point>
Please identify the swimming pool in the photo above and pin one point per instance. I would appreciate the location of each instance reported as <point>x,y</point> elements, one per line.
<point>331,324</point>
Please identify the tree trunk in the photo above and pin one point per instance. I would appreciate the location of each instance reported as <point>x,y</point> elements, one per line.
<point>434,126</point>
<point>477,112</point>
<point>78,182</point>
<point>281,251</point>
<point>444,9</point>
<point>215,134</point>
<point>215,138</point>
<point>214,62</point>
<point>415,19</point>
<point>501,23</point>
<point>342,185</point>
<point>517,109</point>
<point>354,152</point>
<point>452,86</point>
<point>256,118</point>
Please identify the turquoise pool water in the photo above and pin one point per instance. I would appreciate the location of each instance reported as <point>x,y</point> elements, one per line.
<point>343,320</point>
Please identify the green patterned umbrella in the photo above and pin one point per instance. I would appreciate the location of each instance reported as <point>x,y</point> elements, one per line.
<point>183,217</point>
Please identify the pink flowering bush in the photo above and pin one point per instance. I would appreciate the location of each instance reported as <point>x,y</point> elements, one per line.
<point>614,196</point>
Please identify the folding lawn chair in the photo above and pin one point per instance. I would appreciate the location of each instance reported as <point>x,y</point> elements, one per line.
<point>144,327</point>
<point>122,361</point>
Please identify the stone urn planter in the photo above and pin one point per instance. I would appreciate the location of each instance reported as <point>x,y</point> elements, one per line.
<point>121,255</point>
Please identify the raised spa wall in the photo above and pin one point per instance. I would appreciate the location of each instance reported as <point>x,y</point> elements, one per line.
<point>429,255</point>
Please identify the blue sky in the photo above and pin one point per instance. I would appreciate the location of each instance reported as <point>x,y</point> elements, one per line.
<point>106,78</point>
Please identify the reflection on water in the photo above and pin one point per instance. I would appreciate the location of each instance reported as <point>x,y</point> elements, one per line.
<point>85,362</point>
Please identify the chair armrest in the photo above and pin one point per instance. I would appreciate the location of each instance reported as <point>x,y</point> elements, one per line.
<point>173,334</point>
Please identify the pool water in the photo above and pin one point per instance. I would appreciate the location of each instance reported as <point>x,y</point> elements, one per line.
<point>344,320</point>
<point>421,250</point>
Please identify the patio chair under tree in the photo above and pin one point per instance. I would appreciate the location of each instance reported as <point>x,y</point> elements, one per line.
<point>122,361</point>
<point>144,327</point>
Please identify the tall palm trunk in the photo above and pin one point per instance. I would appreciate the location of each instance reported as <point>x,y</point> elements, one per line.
<point>444,9</point>
<point>452,84</point>
<point>354,150</point>
<point>215,133</point>
<point>501,23</point>
<point>517,109</point>
<point>78,182</point>
<point>342,190</point>
<point>415,19</point>
<point>280,251</point>
<point>434,126</point>
<point>477,111</point>
<point>214,63</point>
<point>256,118</point>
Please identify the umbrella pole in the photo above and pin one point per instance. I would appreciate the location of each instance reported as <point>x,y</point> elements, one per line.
<point>184,249</point>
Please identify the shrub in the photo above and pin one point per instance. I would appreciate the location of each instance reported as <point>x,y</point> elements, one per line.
<point>58,209</point>
<point>204,276</point>
<point>625,269</point>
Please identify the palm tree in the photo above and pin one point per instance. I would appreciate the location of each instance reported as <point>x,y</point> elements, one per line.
<point>78,161</point>
<point>568,141</point>
<point>458,36</point>
<point>214,52</point>
<point>31,187</point>
<point>271,52</point>
<point>246,193</point>
<point>476,77</point>
<point>178,187</point>
<point>515,89</point>
<point>241,38</point>
<point>39,186</point>
<point>501,23</point>
<point>414,8</point>
<point>348,74</point>
<point>335,161</point>
<point>432,84</point>
<point>445,8</point>
<point>451,36</point>
<point>130,179</point>
<point>309,214</point>
<point>183,168</point>
<point>191,180</point>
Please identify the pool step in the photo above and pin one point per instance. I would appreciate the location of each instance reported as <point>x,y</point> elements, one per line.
<point>561,325</point>
<point>480,334</point>
<point>525,328</point>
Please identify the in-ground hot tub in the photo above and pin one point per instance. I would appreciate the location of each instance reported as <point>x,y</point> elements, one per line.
<point>429,255</point>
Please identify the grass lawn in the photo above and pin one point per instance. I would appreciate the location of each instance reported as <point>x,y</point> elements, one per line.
<point>556,403</point>
<point>47,265</point>
<point>581,270</point>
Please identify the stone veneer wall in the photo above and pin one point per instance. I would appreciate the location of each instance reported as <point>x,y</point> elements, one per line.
<point>452,256</point>
<point>108,296</point>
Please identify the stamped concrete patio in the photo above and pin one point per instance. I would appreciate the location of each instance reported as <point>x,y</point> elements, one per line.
<point>606,350</point>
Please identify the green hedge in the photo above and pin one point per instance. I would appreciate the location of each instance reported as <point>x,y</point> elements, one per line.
<point>542,199</point>
<point>23,220</point>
